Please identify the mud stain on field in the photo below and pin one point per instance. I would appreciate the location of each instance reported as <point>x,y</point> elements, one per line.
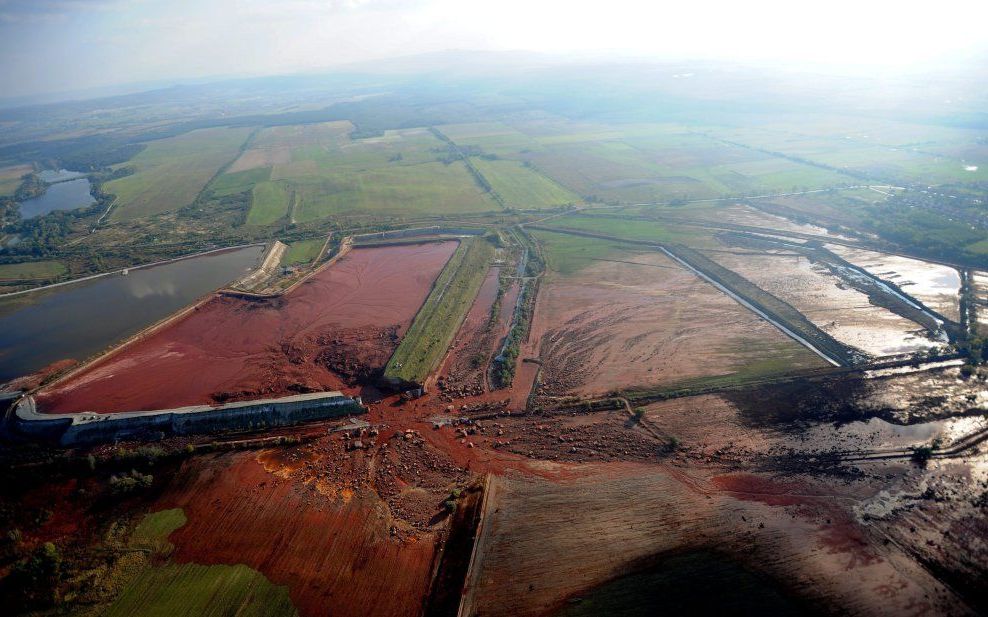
<point>618,325</point>
<point>334,555</point>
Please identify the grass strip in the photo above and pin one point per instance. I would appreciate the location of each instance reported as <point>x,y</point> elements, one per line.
<point>440,317</point>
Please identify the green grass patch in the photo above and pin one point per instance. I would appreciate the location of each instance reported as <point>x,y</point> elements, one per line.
<point>193,589</point>
<point>566,254</point>
<point>979,248</point>
<point>396,190</point>
<point>153,530</point>
<point>169,173</point>
<point>269,202</point>
<point>436,323</point>
<point>239,182</point>
<point>32,270</point>
<point>302,252</point>
<point>636,229</point>
<point>632,229</point>
<point>522,187</point>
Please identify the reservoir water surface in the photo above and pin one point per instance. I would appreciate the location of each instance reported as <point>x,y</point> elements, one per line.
<point>76,321</point>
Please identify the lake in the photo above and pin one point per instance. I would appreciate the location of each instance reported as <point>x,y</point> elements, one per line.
<point>76,321</point>
<point>61,175</point>
<point>67,195</point>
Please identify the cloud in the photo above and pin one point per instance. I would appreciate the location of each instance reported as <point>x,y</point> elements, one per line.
<point>47,11</point>
<point>141,40</point>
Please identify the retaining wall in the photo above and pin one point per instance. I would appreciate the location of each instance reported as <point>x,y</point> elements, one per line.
<point>88,427</point>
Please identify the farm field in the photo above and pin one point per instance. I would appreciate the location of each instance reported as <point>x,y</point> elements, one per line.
<point>395,190</point>
<point>634,229</point>
<point>340,325</point>
<point>521,187</point>
<point>844,313</point>
<point>48,269</point>
<point>494,138</point>
<point>270,202</point>
<point>328,174</point>
<point>888,150</point>
<point>276,145</point>
<point>666,166</point>
<point>170,172</point>
<point>10,178</point>
<point>635,320</point>
<point>765,536</point>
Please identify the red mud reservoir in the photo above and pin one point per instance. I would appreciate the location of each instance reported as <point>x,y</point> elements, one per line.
<point>337,327</point>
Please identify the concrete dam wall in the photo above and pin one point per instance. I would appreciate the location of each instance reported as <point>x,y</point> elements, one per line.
<point>88,427</point>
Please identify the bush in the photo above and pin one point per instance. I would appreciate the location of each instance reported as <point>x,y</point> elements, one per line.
<point>38,576</point>
<point>128,483</point>
<point>922,454</point>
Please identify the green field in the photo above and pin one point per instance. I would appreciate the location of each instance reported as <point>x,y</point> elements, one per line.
<point>398,190</point>
<point>153,530</point>
<point>302,252</point>
<point>169,173</point>
<point>401,173</point>
<point>634,229</point>
<point>239,182</point>
<point>491,137</point>
<point>666,166</point>
<point>566,254</point>
<point>32,270</point>
<point>270,201</point>
<point>436,323</point>
<point>193,589</point>
<point>10,178</point>
<point>521,187</point>
<point>189,588</point>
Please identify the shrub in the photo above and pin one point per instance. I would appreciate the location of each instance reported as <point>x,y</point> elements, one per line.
<point>128,483</point>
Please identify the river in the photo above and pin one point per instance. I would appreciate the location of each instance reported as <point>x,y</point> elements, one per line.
<point>76,321</point>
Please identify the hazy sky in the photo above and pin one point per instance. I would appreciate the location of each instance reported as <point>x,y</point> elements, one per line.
<point>58,45</point>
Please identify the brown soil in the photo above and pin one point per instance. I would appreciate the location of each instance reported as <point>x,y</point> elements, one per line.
<point>336,329</point>
<point>336,552</point>
<point>617,325</point>
<point>462,372</point>
<point>546,542</point>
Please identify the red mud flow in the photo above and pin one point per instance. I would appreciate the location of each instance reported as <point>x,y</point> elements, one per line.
<point>337,327</point>
<point>336,556</point>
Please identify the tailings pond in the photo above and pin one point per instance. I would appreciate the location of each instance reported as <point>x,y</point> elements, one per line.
<point>76,321</point>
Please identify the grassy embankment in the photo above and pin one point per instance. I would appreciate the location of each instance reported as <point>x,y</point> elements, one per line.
<point>436,323</point>
<point>302,252</point>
